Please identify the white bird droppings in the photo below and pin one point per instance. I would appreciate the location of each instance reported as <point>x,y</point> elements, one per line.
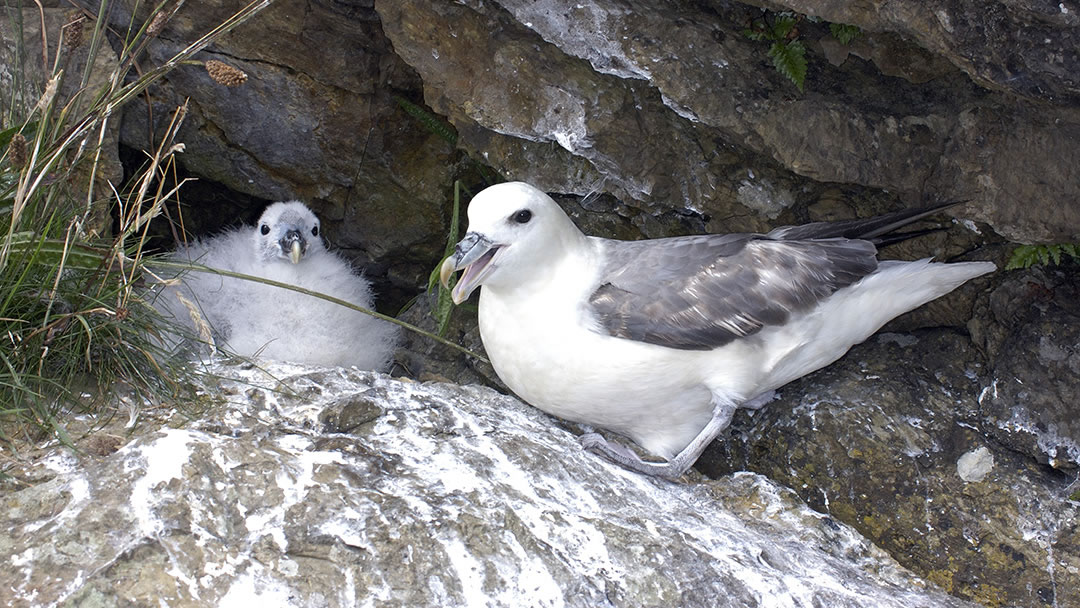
<point>975,465</point>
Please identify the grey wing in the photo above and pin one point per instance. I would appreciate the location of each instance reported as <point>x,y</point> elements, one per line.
<point>698,293</point>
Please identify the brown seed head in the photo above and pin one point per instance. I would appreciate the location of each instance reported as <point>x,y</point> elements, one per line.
<point>17,151</point>
<point>225,74</point>
<point>73,32</point>
<point>157,23</point>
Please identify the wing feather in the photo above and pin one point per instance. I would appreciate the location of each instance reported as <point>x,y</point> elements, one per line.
<point>701,292</point>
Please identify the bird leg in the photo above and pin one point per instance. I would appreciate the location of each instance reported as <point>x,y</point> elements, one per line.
<point>671,469</point>
<point>759,402</point>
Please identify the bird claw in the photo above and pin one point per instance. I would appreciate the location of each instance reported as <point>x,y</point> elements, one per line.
<point>626,458</point>
<point>595,443</point>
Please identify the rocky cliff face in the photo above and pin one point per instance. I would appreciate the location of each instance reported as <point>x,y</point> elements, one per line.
<point>668,105</point>
<point>306,487</point>
<point>900,439</point>
<point>953,449</point>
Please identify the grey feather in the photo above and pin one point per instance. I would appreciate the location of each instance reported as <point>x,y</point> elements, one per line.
<point>869,229</point>
<point>701,292</point>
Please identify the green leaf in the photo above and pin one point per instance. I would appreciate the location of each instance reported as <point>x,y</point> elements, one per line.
<point>1026,256</point>
<point>790,60</point>
<point>843,33</point>
<point>444,303</point>
<point>782,27</point>
<point>50,252</point>
<point>430,121</point>
<point>756,35</point>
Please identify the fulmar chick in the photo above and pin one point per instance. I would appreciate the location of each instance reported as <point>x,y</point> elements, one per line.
<point>257,320</point>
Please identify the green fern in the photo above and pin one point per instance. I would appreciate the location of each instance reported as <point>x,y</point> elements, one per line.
<point>787,53</point>
<point>843,33</point>
<point>790,60</point>
<point>430,121</point>
<point>1026,256</point>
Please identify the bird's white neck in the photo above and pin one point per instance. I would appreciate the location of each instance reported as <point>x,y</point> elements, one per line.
<point>567,270</point>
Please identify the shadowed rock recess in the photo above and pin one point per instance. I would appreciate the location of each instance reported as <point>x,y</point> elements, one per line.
<point>350,488</point>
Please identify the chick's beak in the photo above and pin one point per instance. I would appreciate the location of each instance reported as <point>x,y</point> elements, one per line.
<point>474,254</point>
<point>293,245</point>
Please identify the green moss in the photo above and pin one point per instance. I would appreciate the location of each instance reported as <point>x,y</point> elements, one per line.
<point>989,595</point>
<point>942,577</point>
<point>873,527</point>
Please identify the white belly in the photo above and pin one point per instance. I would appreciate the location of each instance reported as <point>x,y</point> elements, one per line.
<point>659,397</point>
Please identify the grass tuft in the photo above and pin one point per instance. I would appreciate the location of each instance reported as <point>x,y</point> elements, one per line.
<point>74,323</point>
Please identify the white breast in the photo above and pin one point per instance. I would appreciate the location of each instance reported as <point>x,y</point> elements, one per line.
<point>541,343</point>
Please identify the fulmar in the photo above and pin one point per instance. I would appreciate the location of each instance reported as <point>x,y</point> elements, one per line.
<point>662,340</point>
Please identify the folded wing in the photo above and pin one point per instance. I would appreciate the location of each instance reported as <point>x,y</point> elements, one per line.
<point>701,292</point>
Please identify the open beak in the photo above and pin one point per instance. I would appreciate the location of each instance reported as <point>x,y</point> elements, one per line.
<point>293,245</point>
<point>474,253</point>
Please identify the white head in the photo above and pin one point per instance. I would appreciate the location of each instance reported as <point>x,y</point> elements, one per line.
<point>287,231</point>
<point>514,231</point>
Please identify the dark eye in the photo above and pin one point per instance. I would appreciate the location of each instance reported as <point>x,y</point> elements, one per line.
<point>523,216</point>
<point>264,229</point>
<point>315,231</point>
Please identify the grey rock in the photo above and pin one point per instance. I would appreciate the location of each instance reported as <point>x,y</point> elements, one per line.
<point>885,439</point>
<point>975,465</point>
<point>670,105</point>
<point>426,359</point>
<point>438,495</point>
<point>1031,397</point>
<point>1026,47</point>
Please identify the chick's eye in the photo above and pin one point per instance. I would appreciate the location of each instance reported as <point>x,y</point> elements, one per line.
<point>523,216</point>
<point>264,229</point>
<point>315,231</point>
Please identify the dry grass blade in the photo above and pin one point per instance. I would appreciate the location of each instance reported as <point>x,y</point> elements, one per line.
<point>72,319</point>
<point>187,267</point>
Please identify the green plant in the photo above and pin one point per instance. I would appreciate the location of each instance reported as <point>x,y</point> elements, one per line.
<point>431,122</point>
<point>787,53</point>
<point>444,304</point>
<point>1026,256</point>
<point>72,318</point>
<point>845,34</point>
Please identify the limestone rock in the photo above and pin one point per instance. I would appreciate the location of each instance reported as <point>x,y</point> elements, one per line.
<point>349,488</point>
<point>1030,401</point>
<point>884,439</point>
<point>671,104</point>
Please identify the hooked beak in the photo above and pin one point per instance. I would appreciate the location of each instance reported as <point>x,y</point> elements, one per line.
<point>293,245</point>
<point>474,253</point>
